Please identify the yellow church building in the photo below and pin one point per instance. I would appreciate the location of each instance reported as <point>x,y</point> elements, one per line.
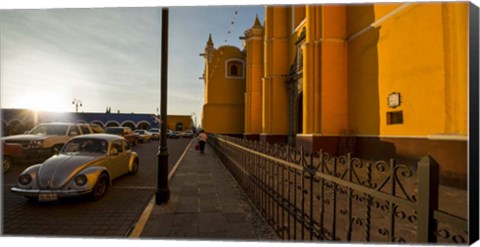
<point>380,80</point>
<point>224,77</point>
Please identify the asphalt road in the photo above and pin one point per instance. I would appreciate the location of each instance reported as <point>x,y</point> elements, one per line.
<point>113,216</point>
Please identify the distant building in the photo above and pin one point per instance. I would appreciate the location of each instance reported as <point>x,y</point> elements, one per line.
<point>179,122</point>
<point>17,121</point>
<point>379,80</point>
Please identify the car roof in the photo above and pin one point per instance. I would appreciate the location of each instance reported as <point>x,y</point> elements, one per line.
<point>107,137</point>
<point>55,123</point>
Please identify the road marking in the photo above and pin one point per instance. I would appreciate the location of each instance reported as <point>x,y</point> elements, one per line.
<point>142,221</point>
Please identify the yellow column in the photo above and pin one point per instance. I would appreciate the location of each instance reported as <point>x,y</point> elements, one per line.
<point>254,74</point>
<point>455,19</point>
<point>334,84</point>
<point>274,90</point>
<point>311,68</point>
<point>325,71</point>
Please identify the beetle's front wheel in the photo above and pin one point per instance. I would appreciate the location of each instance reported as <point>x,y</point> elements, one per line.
<point>7,163</point>
<point>134,170</point>
<point>101,187</point>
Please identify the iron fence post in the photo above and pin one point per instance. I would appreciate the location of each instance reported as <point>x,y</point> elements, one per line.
<point>427,199</point>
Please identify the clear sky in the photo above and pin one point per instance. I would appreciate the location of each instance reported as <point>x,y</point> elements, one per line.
<point>110,57</point>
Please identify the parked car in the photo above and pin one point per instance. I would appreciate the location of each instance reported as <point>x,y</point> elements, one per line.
<point>172,134</point>
<point>46,139</point>
<point>155,133</point>
<point>12,153</point>
<point>187,134</point>
<point>97,128</point>
<point>86,165</point>
<point>126,132</point>
<point>143,136</point>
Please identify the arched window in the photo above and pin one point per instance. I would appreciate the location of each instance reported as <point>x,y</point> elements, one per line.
<point>234,69</point>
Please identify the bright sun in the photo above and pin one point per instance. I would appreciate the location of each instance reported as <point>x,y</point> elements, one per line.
<point>43,101</point>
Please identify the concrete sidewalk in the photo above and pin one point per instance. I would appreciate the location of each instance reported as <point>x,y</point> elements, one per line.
<point>205,204</point>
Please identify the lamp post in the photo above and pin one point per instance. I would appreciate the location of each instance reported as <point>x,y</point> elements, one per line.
<point>77,103</point>
<point>162,194</point>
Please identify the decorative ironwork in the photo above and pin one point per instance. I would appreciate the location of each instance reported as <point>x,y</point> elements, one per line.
<point>316,196</point>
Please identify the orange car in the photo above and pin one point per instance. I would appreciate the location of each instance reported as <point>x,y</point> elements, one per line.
<point>12,152</point>
<point>126,132</point>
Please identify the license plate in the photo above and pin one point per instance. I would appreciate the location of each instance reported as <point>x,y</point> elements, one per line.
<point>47,197</point>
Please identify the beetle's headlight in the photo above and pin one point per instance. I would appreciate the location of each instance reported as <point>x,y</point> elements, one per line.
<point>81,180</point>
<point>36,144</point>
<point>25,179</point>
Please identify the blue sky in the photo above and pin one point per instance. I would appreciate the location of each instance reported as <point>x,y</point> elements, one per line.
<point>111,56</point>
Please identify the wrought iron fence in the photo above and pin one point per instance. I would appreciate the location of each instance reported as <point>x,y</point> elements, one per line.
<point>314,196</point>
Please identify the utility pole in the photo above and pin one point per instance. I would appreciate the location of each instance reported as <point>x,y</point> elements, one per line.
<point>162,194</point>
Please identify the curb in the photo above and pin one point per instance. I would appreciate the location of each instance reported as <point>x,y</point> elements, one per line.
<point>142,221</point>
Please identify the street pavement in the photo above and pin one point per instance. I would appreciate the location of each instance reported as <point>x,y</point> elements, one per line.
<point>114,216</point>
<point>205,204</point>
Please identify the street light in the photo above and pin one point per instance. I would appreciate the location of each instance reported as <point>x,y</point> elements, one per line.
<point>77,103</point>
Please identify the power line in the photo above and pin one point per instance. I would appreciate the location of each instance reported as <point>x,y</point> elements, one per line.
<point>227,36</point>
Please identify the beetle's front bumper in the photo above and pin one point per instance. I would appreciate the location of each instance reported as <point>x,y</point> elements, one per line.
<point>57,193</point>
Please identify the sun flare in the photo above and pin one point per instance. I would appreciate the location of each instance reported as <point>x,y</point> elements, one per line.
<point>43,101</point>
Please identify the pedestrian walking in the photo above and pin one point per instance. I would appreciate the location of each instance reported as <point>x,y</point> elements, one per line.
<point>202,140</point>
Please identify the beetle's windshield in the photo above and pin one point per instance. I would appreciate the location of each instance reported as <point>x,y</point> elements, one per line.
<point>86,145</point>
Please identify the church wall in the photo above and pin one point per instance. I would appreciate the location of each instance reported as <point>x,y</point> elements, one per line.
<point>355,58</point>
<point>419,51</point>
<point>223,118</point>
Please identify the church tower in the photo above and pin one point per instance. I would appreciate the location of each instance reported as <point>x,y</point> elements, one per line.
<point>253,95</point>
<point>224,80</point>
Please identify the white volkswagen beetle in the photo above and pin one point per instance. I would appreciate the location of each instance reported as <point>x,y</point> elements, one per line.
<point>87,164</point>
